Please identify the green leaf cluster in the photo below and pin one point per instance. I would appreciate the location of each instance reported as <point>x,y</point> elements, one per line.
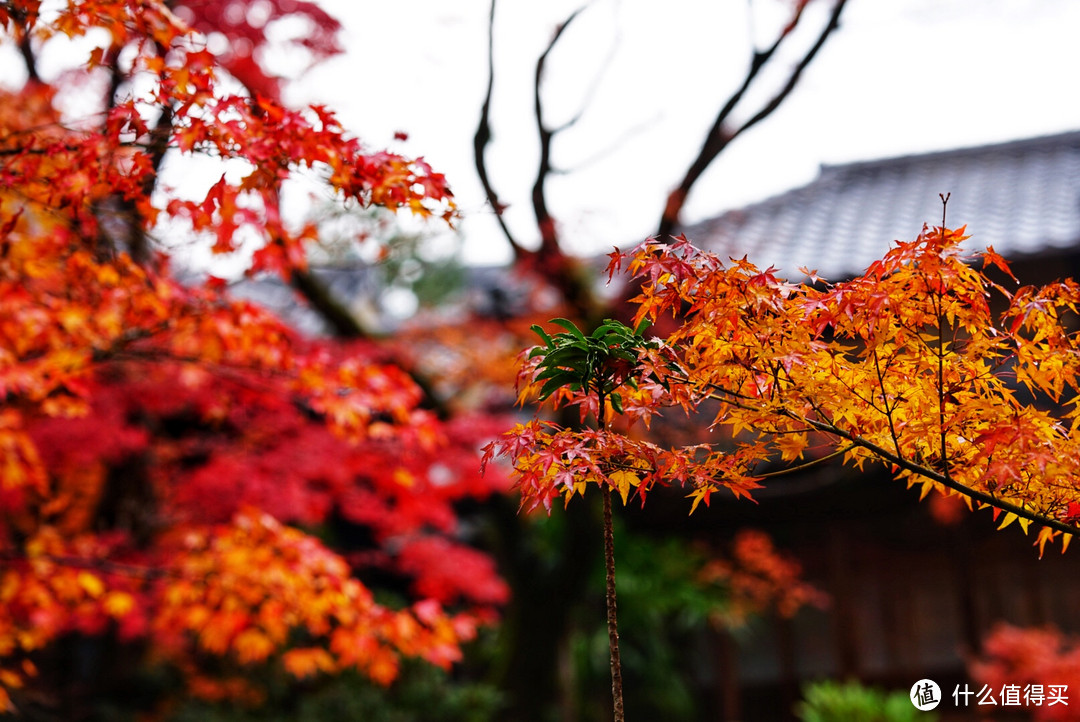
<point>829,701</point>
<point>600,362</point>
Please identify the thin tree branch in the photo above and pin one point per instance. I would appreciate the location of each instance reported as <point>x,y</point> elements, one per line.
<point>903,463</point>
<point>322,301</point>
<point>483,137</point>
<point>719,135</point>
<point>805,465</point>
<point>157,145</point>
<point>549,239</point>
<point>548,261</point>
<point>796,73</point>
<point>941,321</point>
<point>594,86</point>
<point>611,147</point>
<point>105,566</point>
<point>885,400</point>
<point>21,20</point>
<point>27,52</point>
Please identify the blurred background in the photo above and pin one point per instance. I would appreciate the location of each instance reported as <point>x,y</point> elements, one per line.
<point>804,133</point>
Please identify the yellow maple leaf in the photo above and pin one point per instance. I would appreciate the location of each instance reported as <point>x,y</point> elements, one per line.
<point>623,481</point>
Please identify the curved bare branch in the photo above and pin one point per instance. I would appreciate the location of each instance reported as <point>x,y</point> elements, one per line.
<point>483,137</point>
<point>549,239</point>
<point>720,134</point>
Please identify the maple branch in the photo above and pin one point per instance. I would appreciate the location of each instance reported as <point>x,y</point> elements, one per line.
<point>593,89</point>
<point>885,399</point>
<point>116,77</point>
<point>853,389</point>
<point>346,325</point>
<point>941,385</point>
<point>827,427</point>
<point>53,148</point>
<point>805,465</point>
<point>483,137</point>
<point>8,556</point>
<point>120,352</point>
<point>548,261</point>
<point>720,135</point>
<point>157,145</point>
<point>19,15</point>
<point>549,240</point>
<point>945,479</point>
<point>941,321</point>
<point>612,146</point>
<point>343,322</point>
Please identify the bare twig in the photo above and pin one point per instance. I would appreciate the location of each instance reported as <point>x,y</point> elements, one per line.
<point>594,85</point>
<point>483,137</point>
<point>549,239</point>
<point>720,134</point>
<point>613,146</point>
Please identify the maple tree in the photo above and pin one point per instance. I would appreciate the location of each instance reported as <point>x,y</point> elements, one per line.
<point>907,364</point>
<point>166,449</point>
<point>543,252</point>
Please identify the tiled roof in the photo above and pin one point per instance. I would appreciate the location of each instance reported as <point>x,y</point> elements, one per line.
<point>1022,198</point>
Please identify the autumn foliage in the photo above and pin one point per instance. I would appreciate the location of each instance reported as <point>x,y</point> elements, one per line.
<point>165,449</point>
<point>1039,664</point>
<point>760,580</point>
<point>956,382</point>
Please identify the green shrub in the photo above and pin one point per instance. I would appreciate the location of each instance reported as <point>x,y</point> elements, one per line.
<point>829,701</point>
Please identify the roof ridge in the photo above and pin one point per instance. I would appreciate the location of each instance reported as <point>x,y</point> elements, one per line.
<point>1021,196</point>
<point>1053,139</point>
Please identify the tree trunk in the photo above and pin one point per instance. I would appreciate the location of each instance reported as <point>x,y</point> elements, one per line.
<point>612,617</point>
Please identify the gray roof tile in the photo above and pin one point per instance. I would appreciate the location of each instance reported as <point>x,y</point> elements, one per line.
<point>1022,198</point>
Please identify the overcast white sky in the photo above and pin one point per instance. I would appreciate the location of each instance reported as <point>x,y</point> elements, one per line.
<point>899,77</point>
